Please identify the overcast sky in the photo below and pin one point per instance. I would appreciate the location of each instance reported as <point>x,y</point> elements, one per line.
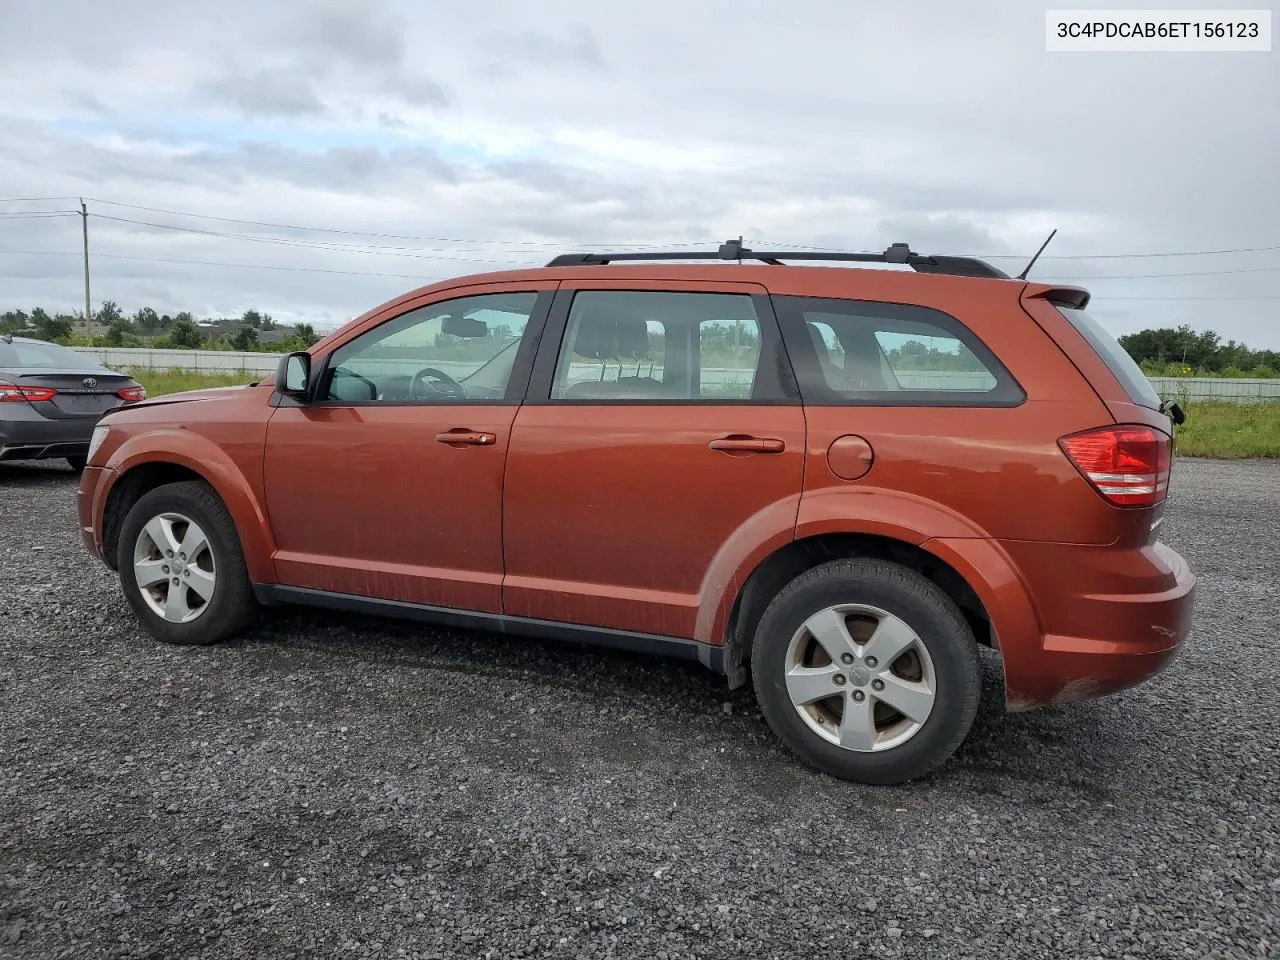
<point>488,134</point>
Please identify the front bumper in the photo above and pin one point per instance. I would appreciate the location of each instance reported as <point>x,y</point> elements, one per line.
<point>89,509</point>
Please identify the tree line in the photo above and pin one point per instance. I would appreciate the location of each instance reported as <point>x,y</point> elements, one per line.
<point>1186,352</point>
<point>147,328</point>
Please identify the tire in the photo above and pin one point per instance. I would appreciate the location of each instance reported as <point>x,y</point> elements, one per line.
<point>937,669</point>
<point>213,583</point>
<point>77,464</point>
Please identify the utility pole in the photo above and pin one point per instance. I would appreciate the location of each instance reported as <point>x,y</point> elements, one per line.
<point>88,310</point>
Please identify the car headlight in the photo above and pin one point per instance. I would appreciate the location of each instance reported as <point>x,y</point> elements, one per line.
<point>99,436</point>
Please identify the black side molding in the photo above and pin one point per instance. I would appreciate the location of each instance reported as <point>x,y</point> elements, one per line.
<point>677,648</point>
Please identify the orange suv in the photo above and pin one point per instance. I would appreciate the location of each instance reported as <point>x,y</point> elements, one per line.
<point>837,482</point>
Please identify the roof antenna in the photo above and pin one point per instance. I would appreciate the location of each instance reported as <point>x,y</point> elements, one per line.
<point>1027,269</point>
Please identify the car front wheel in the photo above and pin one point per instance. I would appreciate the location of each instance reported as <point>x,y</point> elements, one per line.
<point>867,670</point>
<point>181,566</point>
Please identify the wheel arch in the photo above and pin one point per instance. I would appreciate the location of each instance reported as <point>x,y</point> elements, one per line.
<point>789,561</point>
<point>184,456</point>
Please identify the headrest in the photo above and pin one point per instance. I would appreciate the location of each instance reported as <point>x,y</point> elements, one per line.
<point>601,336</point>
<point>632,339</point>
<point>592,336</point>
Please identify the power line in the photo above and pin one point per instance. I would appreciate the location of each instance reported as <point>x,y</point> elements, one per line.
<point>1137,256</point>
<point>312,244</point>
<point>408,276</point>
<point>33,199</point>
<point>307,244</point>
<point>1019,256</point>
<point>421,254</point>
<point>1179,299</point>
<point>38,215</point>
<point>559,245</point>
<point>1155,276</point>
<point>214,263</point>
<point>390,236</point>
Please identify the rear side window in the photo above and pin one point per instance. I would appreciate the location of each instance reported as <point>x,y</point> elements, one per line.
<point>890,354</point>
<point>1122,366</point>
<point>45,356</point>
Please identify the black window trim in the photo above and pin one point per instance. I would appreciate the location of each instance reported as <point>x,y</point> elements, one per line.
<point>774,383</point>
<point>521,369</point>
<point>790,309</point>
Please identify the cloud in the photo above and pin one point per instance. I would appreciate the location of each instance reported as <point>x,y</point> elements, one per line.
<point>87,102</point>
<point>362,34</point>
<point>578,47</point>
<point>479,137</point>
<point>266,93</point>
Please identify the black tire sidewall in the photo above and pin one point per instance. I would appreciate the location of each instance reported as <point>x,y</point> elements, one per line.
<point>232,604</point>
<point>934,618</point>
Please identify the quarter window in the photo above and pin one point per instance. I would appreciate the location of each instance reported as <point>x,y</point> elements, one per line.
<point>848,351</point>
<point>454,351</point>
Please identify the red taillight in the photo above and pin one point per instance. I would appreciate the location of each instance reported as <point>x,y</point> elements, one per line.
<point>133,394</point>
<point>14,394</point>
<point>1127,464</point>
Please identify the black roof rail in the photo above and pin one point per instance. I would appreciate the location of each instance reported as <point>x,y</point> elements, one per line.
<point>734,250</point>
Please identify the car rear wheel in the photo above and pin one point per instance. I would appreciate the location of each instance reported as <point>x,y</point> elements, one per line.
<point>181,566</point>
<point>867,671</point>
<point>77,463</point>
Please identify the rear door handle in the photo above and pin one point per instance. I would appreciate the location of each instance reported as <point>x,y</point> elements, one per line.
<point>739,444</point>
<point>467,437</point>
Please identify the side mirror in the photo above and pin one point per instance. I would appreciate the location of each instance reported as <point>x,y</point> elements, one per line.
<point>293,375</point>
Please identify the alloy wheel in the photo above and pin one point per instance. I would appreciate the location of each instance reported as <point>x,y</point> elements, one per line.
<point>174,567</point>
<point>860,677</point>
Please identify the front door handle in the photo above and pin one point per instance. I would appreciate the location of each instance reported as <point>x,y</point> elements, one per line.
<point>471,438</point>
<point>741,444</point>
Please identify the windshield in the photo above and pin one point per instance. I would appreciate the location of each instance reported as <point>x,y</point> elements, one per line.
<point>25,355</point>
<point>1117,359</point>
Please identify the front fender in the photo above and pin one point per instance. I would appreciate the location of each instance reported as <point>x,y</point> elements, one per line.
<point>205,458</point>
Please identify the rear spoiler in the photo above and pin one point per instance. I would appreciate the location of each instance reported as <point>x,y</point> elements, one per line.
<point>1066,295</point>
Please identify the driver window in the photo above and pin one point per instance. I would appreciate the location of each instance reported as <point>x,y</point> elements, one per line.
<point>447,352</point>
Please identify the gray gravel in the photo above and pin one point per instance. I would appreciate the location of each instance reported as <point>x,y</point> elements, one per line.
<point>340,787</point>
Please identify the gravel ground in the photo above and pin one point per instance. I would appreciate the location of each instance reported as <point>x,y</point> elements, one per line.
<point>340,787</point>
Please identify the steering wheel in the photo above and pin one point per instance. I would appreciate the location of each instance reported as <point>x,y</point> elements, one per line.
<point>444,385</point>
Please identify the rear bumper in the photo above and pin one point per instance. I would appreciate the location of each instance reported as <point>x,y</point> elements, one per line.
<point>26,435</point>
<point>1090,621</point>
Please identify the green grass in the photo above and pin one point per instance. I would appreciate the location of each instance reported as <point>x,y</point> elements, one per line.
<point>1230,430</point>
<point>1213,429</point>
<point>160,382</point>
